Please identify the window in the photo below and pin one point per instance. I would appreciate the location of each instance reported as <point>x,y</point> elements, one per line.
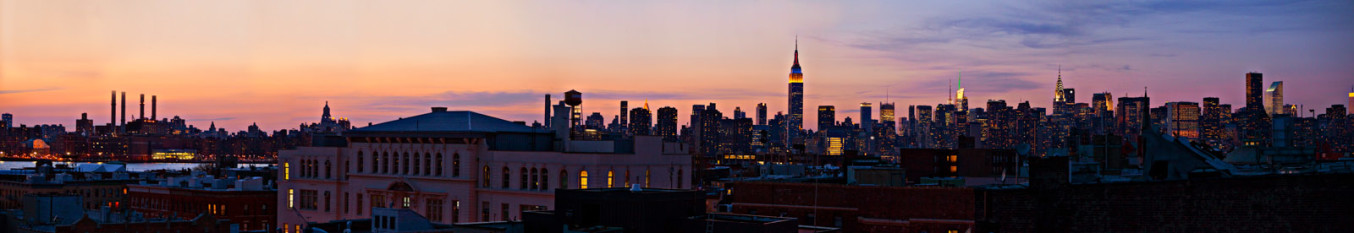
<point>385,162</point>
<point>525,180</point>
<point>583,179</point>
<point>954,169</point>
<point>345,203</point>
<point>505,212</point>
<point>359,204</point>
<point>679,179</point>
<point>286,171</point>
<point>455,164</point>
<point>415,166</point>
<point>646,177</point>
<point>434,210</point>
<point>545,179</point>
<point>291,198</point>
<point>455,211</point>
<point>402,170</point>
<point>507,178</point>
<point>952,158</point>
<point>484,211</point>
<point>837,221</point>
<point>378,201</point>
<point>359,161</point>
<point>327,170</point>
<point>407,202</point>
<point>375,160</point>
<point>427,164</point>
<point>309,200</point>
<point>610,176</point>
<point>326,201</point>
<point>485,176</point>
<point>627,178</point>
<point>286,228</point>
<point>564,179</point>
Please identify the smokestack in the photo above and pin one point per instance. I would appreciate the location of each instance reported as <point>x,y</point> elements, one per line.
<point>142,115</point>
<point>152,107</point>
<point>113,107</point>
<point>124,108</point>
<point>547,111</point>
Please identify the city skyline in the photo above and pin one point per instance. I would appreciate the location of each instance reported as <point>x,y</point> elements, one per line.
<point>280,76</point>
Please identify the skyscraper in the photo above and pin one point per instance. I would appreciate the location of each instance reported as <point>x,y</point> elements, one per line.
<point>866,115</point>
<point>1254,82</point>
<point>796,104</point>
<point>625,115</point>
<point>827,117</point>
<point>1351,100</point>
<point>761,113</point>
<point>8,119</point>
<point>1274,98</point>
<point>1102,102</point>
<point>1182,119</point>
<point>667,123</point>
<point>886,115</point>
<point>738,113</point>
<point>641,121</point>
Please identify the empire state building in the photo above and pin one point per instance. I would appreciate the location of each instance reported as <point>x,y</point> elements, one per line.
<point>796,124</point>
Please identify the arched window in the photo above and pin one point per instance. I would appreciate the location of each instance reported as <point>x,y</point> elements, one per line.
<point>507,178</point>
<point>610,179</point>
<point>485,176</point>
<point>455,164</point>
<point>535,181</point>
<point>385,162</point>
<point>627,178</point>
<point>428,164</point>
<point>326,201</point>
<point>359,161</point>
<point>545,179</point>
<point>404,168</point>
<point>646,177</point>
<point>525,181</point>
<point>564,179</point>
<point>415,170</point>
<point>327,170</point>
<point>583,179</point>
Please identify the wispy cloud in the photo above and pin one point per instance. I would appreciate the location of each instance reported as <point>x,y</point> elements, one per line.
<point>28,90</point>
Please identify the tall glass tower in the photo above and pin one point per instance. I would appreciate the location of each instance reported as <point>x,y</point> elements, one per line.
<point>796,123</point>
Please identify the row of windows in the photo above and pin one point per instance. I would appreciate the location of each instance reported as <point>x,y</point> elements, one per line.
<point>390,163</point>
<point>539,179</point>
<point>311,169</point>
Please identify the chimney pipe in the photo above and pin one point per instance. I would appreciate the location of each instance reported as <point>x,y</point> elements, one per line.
<point>142,115</point>
<point>113,106</point>
<point>152,107</point>
<point>124,108</point>
<point>547,111</point>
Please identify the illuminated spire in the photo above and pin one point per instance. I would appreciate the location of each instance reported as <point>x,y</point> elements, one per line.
<point>796,74</point>
<point>1058,91</point>
<point>646,104</point>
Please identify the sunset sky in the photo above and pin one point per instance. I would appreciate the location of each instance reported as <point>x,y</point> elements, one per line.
<point>277,62</point>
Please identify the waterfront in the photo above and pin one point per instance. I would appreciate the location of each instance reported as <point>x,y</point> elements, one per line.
<point>131,167</point>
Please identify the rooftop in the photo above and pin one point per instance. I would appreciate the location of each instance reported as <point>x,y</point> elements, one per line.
<point>441,120</point>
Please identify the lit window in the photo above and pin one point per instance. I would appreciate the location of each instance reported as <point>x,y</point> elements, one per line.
<point>407,202</point>
<point>291,198</point>
<point>286,171</point>
<point>954,168</point>
<point>583,180</point>
<point>952,158</point>
<point>610,176</point>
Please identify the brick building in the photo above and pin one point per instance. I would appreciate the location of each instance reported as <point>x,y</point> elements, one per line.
<point>858,208</point>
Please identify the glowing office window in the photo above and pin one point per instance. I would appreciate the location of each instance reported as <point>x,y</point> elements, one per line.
<point>286,171</point>
<point>610,176</point>
<point>291,198</point>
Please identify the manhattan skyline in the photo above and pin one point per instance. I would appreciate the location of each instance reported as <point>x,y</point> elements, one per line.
<point>208,65</point>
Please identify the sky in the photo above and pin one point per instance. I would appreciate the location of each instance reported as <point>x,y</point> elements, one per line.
<point>276,63</point>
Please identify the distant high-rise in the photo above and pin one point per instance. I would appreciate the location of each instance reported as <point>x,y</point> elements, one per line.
<point>1254,90</point>
<point>1182,119</point>
<point>1102,102</point>
<point>84,125</point>
<point>547,111</point>
<point>1351,100</point>
<point>667,123</point>
<point>738,113</point>
<point>827,117</point>
<point>625,114</point>
<point>886,112</point>
<point>8,119</point>
<point>641,121</point>
<point>796,105</point>
<point>1274,98</point>
<point>761,113</point>
<point>866,116</point>
<point>1211,121</point>
<point>1058,98</point>
<point>595,121</point>
<point>1129,115</point>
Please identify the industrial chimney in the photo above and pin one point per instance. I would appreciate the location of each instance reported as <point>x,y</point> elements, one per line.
<point>142,115</point>
<point>124,108</point>
<point>113,107</point>
<point>547,111</point>
<point>152,107</point>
